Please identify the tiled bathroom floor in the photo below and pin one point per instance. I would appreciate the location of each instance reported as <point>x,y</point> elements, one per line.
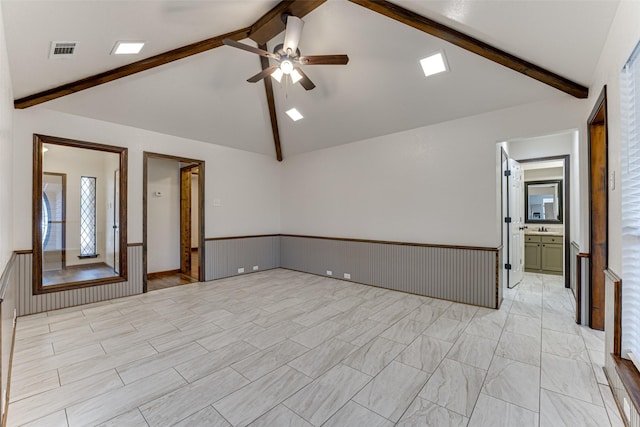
<point>282,348</point>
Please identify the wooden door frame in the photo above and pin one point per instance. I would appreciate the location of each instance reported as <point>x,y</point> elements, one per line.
<point>186,174</point>
<point>566,223</point>
<point>200,164</point>
<point>598,117</point>
<point>64,215</point>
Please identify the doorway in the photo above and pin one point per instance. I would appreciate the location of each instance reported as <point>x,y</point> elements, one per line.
<point>598,208</point>
<point>173,221</point>
<point>540,175</point>
<point>535,242</point>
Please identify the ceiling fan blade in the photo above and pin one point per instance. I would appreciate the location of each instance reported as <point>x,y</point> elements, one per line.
<point>292,34</point>
<point>262,74</point>
<point>251,49</point>
<point>305,81</point>
<point>324,60</point>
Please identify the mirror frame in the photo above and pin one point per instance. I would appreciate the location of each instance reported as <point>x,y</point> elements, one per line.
<point>526,202</point>
<point>38,142</point>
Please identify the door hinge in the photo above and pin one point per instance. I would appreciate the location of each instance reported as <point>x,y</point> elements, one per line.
<point>507,173</point>
<point>507,219</point>
<point>507,266</point>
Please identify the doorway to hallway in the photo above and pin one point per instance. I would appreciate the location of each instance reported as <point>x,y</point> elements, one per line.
<point>173,218</point>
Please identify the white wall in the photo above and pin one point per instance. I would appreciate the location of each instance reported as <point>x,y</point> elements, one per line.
<point>247,184</point>
<point>560,144</point>
<point>6,200</point>
<point>436,184</point>
<point>623,37</point>
<point>6,162</point>
<point>163,215</point>
<point>543,174</point>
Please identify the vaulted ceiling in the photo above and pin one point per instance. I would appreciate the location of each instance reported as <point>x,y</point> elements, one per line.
<point>381,90</point>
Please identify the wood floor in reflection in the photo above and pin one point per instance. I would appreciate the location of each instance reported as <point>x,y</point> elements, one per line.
<point>162,281</point>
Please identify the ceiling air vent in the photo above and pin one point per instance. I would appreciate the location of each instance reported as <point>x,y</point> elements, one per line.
<point>60,50</point>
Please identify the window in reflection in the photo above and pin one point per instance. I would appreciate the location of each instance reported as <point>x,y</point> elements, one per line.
<point>543,201</point>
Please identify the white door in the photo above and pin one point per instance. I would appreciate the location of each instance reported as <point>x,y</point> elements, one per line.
<point>506,238</point>
<point>116,221</point>
<point>516,212</point>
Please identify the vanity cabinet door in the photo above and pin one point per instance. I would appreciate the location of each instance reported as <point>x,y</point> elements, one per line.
<point>532,259</point>
<point>552,257</point>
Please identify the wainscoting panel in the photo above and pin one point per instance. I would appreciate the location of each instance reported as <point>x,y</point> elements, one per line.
<point>28,303</point>
<point>467,275</point>
<point>224,256</point>
<point>8,285</point>
<point>612,326</point>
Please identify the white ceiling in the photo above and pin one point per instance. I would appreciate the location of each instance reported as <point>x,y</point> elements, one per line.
<point>382,90</point>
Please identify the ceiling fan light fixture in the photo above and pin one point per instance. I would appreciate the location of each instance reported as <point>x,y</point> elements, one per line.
<point>295,76</point>
<point>286,66</point>
<point>434,64</point>
<point>277,75</point>
<point>292,34</point>
<point>294,114</point>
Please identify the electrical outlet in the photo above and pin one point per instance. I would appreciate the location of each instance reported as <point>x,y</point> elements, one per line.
<point>255,268</point>
<point>347,276</point>
<point>627,408</point>
<point>241,270</point>
<point>329,273</point>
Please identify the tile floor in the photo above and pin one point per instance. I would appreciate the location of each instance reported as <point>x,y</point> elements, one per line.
<point>282,348</point>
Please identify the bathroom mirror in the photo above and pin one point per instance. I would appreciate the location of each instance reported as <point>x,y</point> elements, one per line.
<point>79,214</point>
<point>543,202</point>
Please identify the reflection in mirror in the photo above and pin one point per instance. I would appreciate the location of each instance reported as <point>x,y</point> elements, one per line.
<point>543,202</point>
<point>77,203</point>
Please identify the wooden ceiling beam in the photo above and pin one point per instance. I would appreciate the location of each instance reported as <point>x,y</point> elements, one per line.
<point>268,88</point>
<point>264,29</point>
<point>474,45</point>
<point>270,24</point>
<point>129,69</point>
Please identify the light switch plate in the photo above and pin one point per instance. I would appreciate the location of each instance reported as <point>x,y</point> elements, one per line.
<point>612,180</point>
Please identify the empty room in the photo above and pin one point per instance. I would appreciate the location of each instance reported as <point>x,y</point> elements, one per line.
<point>320,213</point>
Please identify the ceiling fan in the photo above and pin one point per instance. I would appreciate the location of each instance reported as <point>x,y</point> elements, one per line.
<point>288,57</point>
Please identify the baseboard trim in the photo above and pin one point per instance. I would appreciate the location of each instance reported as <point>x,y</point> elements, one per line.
<point>9,370</point>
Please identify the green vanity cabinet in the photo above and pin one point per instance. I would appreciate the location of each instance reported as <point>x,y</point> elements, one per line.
<point>543,254</point>
<point>532,253</point>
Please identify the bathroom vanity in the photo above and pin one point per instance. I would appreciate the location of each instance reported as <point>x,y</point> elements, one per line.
<point>543,252</point>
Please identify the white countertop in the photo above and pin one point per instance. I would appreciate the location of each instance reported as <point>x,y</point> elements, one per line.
<point>544,233</point>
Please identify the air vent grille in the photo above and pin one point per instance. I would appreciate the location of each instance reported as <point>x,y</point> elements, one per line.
<point>62,50</point>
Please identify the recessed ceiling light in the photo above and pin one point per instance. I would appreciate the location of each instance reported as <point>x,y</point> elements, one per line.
<point>434,64</point>
<point>127,48</point>
<point>294,114</point>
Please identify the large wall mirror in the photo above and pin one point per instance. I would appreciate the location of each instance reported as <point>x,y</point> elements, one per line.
<point>543,201</point>
<point>79,214</point>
